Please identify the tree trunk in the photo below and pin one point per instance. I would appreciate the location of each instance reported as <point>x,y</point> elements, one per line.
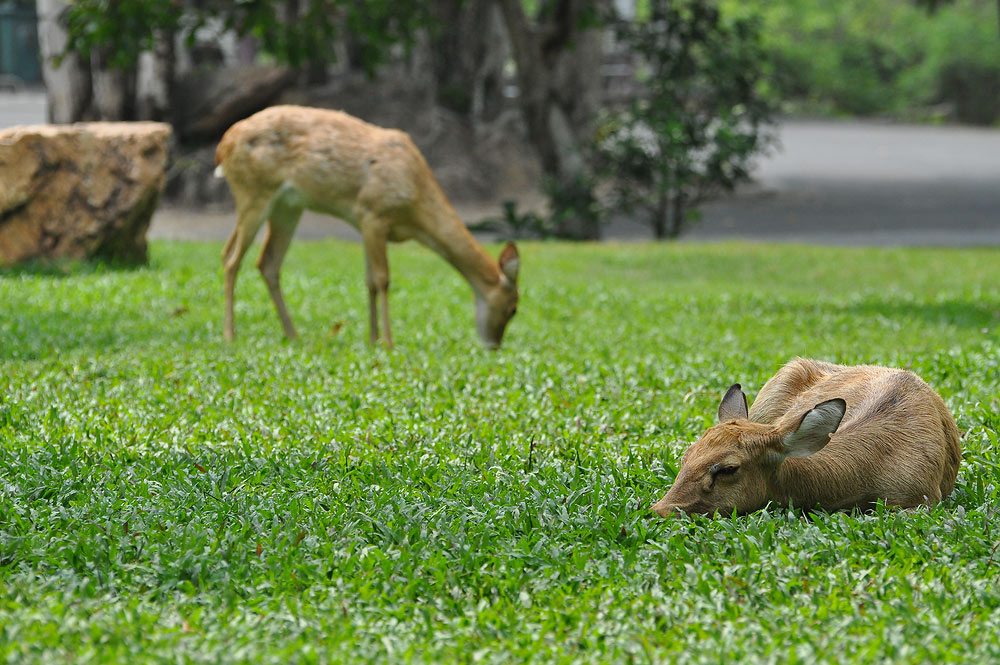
<point>468,54</point>
<point>155,82</point>
<point>535,95</point>
<point>94,90</point>
<point>661,214</point>
<point>558,81</point>
<point>316,72</point>
<point>576,74</point>
<point>679,210</point>
<point>487,81</point>
<point>68,83</point>
<point>113,88</point>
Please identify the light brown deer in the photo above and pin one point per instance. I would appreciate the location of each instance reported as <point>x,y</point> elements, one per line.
<point>287,158</point>
<point>823,435</point>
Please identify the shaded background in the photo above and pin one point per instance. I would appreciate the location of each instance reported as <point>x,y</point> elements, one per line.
<point>886,133</point>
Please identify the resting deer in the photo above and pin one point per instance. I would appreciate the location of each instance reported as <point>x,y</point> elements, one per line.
<point>822,435</point>
<point>287,158</point>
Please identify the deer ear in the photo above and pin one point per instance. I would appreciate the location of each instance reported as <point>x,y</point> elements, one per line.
<point>813,433</point>
<point>510,262</point>
<point>734,405</point>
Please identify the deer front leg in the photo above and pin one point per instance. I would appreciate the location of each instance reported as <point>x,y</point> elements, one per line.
<point>280,229</point>
<point>387,329</point>
<point>374,236</point>
<point>372,303</point>
<point>250,215</point>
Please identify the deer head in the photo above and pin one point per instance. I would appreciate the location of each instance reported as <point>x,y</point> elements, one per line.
<point>497,305</point>
<point>733,466</point>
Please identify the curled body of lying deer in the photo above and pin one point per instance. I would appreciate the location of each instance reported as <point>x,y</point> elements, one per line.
<point>822,435</point>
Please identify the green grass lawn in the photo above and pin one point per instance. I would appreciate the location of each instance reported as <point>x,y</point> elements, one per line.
<point>166,497</point>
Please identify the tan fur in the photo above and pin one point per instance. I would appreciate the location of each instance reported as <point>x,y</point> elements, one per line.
<point>288,158</point>
<point>896,442</point>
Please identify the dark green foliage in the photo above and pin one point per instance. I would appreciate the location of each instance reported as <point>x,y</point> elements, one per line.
<point>575,214</point>
<point>167,497</point>
<point>514,225</point>
<point>576,211</point>
<point>932,5</point>
<point>974,89</point>
<point>292,31</point>
<point>887,58</point>
<point>119,29</point>
<point>701,117</point>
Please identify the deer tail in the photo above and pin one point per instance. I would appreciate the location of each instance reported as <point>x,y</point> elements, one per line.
<point>222,153</point>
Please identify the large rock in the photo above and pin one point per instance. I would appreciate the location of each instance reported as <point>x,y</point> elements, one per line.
<point>207,101</point>
<point>80,191</point>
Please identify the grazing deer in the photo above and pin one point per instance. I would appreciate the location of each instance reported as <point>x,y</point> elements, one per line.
<point>287,158</point>
<point>822,435</point>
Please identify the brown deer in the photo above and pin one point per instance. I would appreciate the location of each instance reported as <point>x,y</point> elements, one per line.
<point>822,435</point>
<point>287,158</point>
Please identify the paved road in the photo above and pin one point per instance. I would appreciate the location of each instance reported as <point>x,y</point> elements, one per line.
<point>22,108</point>
<point>852,183</point>
<point>869,183</point>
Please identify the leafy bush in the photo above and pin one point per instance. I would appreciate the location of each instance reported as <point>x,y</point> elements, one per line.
<point>294,33</point>
<point>576,211</point>
<point>700,117</point>
<point>889,58</point>
<point>575,215</point>
<point>514,225</point>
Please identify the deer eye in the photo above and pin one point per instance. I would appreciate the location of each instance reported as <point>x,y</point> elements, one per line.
<point>718,470</point>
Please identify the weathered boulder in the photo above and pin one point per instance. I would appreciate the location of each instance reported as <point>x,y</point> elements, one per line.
<point>80,191</point>
<point>208,100</point>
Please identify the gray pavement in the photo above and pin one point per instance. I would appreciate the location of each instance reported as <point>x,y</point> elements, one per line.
<point>27,107</point>
<point>867,183</point>
<point>846,183</point>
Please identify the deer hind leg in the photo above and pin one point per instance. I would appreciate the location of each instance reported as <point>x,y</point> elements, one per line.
<point>374,234</point>
<point>372,302</point>
<point>282,220</point>
<point>250,215</point>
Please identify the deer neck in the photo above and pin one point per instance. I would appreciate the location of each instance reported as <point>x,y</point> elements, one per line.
<point>818,480</point>
<point>445,232</point>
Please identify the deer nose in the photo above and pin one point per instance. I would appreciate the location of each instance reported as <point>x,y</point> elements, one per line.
<point>664,508</point>
<point>670,507</point>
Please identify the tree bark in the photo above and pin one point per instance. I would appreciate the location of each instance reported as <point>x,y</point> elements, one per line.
<point>68,83</point>
<point>113,89</point>
<point>558,81</point>
<point>468,53</point>
<point>535,96</point>
<point>661,214</point>
<point>679,209</point>
<point>94,90</point>
<point>155,80</point>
